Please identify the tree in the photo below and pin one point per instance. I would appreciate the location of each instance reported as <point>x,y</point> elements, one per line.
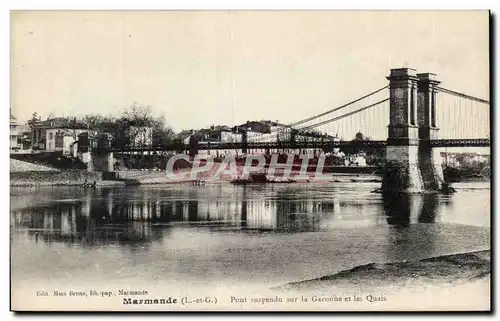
<point>136,126</point>
<point>143,128</point>
<point>35,118</point>
<point>99,123</point>
<point>357,147</point>
<point>162,133</point>
<point>139,121</point>
<point>306,136</point>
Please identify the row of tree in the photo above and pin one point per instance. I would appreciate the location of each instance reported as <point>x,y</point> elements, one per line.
<point>135,124</point>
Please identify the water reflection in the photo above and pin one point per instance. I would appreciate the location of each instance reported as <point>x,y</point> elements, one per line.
<point>404,209</point>
<point>141,216</point>
<point>182,236</point>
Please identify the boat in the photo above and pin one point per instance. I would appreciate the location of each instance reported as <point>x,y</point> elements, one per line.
<point>240,181</point>
<point>254,178</point>
<point>282,181</point>
<point>259,178</point>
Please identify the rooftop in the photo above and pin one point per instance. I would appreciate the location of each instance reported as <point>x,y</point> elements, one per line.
<point>61,122</point>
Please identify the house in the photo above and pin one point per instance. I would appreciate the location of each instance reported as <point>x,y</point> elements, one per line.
<point>185,136</point>
<point>218,134</point>
<point>24,139</point>
<point>56,134</point>
<point>273,131</point>
<point>262,131</point>
<point>450,159</point>
<point>265,130</point>
<point>225,134</point>
<point>213,135</point>
<point>252,131</point>
<point>20,135</point>
<point>14,133</point>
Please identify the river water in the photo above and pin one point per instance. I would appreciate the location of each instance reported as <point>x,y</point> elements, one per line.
<point>184,237</point>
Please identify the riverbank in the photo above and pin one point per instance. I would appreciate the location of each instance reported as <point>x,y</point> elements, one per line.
<point>184,176</point>
<point>121,178</point>
<point>452,269</point>
<point>53,178</point>
<point>449,282</point>
<point>64,183</point>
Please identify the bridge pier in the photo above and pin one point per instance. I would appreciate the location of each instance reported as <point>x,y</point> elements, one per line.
<point>101,162</point>
<point>412,166</point>
<point>110,161</point>
<point>90,164</point>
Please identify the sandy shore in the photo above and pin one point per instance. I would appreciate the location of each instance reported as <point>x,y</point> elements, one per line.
<point>447,269</point>
<point>449,282</point>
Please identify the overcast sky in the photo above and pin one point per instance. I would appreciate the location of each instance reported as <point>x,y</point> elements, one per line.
<point>218,67</point>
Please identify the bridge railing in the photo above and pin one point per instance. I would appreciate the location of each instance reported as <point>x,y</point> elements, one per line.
<point>253,145</point>
<point>325,145</point>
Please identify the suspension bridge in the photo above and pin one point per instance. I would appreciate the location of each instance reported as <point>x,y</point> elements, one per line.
<point>409,117</point>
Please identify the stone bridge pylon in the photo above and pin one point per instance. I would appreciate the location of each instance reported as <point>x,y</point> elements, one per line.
<point>412,165</point>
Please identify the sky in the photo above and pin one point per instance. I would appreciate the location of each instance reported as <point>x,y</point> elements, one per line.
<point>202,68</point>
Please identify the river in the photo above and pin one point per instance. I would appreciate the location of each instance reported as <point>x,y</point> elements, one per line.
<point>185,237</point>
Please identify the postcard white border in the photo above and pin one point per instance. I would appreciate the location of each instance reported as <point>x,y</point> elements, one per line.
<point>6,6</point>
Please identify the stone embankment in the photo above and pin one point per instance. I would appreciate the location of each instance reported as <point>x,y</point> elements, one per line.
<point>29,174</point>
<point>20,166</point>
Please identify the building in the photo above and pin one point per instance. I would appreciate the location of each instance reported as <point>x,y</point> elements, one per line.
<point>273,131</point>
<point>20,135</point>
<point>252,131</point>
<point>14,133</point>
<point>185,136</point>
<point>465,160</point>
<point>24,139</point>
<point>56,134</point>
<point>224,134</point>
<point>266,131</point>
<point>213,135</point>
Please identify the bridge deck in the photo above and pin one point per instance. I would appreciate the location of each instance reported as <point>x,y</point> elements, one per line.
<point>326,145</point>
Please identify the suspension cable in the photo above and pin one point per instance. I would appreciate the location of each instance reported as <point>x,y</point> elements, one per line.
<point>345,115</point>
<point>451,92</point>
<point>328,111</point>
<point>337,108</point>
<point>303,130</point>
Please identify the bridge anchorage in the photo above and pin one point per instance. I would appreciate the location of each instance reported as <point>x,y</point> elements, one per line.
<point>401,123</point>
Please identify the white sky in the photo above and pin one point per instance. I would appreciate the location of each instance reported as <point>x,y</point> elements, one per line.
<point>200,68</point>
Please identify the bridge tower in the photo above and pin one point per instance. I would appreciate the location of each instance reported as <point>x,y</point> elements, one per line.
<point>429,158</point>
<point>410,160</point>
